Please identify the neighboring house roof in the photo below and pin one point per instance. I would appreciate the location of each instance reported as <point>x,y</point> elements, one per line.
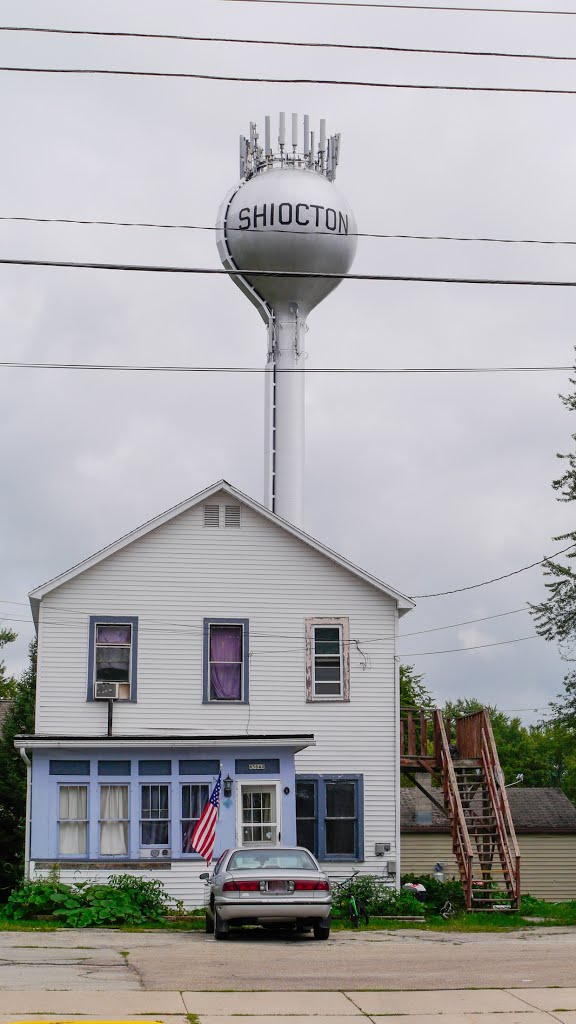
<point>4,709</point>
<point>404,603</point>
<point>533,810</point>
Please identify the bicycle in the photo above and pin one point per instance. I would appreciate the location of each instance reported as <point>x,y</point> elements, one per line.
<point>356,907</point>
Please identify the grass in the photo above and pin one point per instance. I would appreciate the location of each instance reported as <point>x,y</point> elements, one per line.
<point>551,915</point>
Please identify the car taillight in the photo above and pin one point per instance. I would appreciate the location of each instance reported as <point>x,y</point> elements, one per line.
<point>241,887</point>
<point>311,886</point>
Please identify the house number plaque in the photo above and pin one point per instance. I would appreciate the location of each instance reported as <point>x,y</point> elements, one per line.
<point>268,766</point>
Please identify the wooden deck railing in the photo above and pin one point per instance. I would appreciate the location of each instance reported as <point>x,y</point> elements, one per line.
<point>430,741</point>
<point>460,836</point>
<point>418,734</point>
<point>508,844</point>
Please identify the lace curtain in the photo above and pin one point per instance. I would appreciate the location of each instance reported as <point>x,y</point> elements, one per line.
<point>113,829</point>
<point>73,826</point>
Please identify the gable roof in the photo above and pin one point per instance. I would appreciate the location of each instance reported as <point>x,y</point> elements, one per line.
<point>404,603</point>
<point>533,810</point>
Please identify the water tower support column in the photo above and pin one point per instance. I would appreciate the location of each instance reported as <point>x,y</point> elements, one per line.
<point>284,428</point>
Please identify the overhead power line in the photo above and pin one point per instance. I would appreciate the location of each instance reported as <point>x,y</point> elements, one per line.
<point>466,622</point>
<point>476,647</point>
<point>289,81</point>
<point>155,269</point>
<point>262,369</point>
<point>420,632</point>
<point>171,37</point>
<point>284,231</point>
<point>515,572</point>
<point>404,7</point>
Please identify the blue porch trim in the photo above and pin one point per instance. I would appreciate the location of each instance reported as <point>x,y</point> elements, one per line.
<point>188,766</point>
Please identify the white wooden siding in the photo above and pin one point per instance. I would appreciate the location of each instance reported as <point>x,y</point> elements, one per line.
<point>183,572</point>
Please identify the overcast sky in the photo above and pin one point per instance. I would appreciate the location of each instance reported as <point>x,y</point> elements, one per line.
<point>430,482</point>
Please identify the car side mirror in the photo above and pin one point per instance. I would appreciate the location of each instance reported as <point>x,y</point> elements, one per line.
<point>204,876</point>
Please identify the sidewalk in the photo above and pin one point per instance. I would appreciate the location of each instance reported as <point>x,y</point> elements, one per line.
<point>459,1006</point>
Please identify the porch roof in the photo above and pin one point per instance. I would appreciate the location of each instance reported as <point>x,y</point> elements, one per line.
<point>39,741</point>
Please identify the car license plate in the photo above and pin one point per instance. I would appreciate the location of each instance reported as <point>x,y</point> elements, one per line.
<point>276,885</point>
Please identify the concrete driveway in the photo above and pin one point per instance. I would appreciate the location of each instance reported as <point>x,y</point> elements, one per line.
<point>86,960</point>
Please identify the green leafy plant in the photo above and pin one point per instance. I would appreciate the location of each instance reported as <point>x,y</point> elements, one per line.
<point>438,893</point>
<point>379,898</point>
<point>124,900</point>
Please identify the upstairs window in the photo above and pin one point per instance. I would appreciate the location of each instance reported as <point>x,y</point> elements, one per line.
<point>226,660</point>
<point>112,658</point>
<point>327,659</point>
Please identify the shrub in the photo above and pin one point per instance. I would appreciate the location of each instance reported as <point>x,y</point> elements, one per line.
<point>376,896</point>
<point>124,900</point>
<point>438,893</point>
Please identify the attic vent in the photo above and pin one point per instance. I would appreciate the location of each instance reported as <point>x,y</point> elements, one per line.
<point>232,515</point>
<point>211,515</point>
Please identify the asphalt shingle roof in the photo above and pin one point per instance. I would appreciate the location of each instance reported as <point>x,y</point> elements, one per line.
<point>533,810</point>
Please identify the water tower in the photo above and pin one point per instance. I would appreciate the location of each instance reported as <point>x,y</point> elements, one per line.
<point>286,216</point>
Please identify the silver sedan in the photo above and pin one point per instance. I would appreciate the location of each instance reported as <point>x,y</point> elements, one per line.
<point>268,885</point>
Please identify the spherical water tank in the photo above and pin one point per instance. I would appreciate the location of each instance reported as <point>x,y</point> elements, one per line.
<point>289,219</point>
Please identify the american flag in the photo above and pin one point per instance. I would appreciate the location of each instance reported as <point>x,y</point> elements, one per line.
<point>204,835</point>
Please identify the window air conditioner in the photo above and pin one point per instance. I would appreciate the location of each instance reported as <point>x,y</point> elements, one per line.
<point>105,690</point>
<point>162,854</point>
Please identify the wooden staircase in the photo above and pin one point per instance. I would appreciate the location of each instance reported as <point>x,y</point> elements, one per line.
<point>462,757</point>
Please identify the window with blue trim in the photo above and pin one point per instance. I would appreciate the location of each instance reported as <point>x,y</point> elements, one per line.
<point>73,821</point>
<point>225,669</point>
<point>112,657</point>
<point>329,816</point>
<point>194,799</point>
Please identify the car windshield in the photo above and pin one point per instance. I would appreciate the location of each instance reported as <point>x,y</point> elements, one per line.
<point>271,860</point>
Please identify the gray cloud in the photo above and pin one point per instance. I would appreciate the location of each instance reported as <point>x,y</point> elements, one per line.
<point>429,482</point>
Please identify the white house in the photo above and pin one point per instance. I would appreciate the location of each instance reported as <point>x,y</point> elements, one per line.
<point>230,639</point>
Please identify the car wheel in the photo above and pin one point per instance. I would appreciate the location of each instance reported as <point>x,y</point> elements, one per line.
<point>221,927</point>
<point>321,930</point>
<point>209,924</point>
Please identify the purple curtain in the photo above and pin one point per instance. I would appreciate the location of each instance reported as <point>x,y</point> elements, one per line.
<point>226,662</point>
<point>113,634</point>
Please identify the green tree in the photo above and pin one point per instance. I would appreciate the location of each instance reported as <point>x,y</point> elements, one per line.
<point>413,692</point>
<point>20,719</point>
<point>544,754</point>
<point>555,618</point>
<point>7,683</point>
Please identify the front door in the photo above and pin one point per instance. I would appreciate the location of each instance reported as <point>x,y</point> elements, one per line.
<point>259,815</point>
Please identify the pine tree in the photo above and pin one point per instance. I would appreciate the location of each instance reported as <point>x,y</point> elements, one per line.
<point>7,684</point>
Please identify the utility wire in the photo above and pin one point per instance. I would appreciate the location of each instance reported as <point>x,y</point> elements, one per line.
<point>289,81</point>
<point>286,231</point>
<point>403,7</point>
<point>151,629</point>
<point>455,625</point>
<point>515,572</point>
<point>477,647</point>
<point>218,271</point>
<point>281,42</point>
<point>261,369</point>
<point>80,616</point>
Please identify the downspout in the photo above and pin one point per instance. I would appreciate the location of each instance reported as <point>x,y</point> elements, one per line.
<point>28,764</point>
